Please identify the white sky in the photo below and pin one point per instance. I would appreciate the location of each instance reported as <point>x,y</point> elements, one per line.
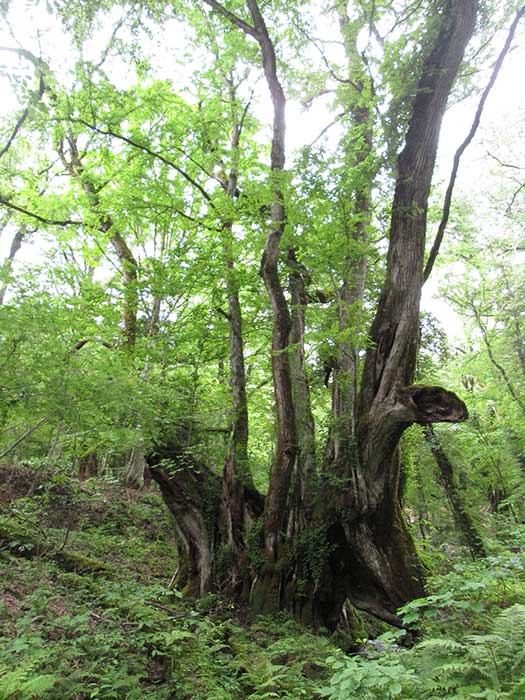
<point>38,33</point>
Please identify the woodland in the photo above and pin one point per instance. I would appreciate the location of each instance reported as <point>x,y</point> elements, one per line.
<point>238,457</point>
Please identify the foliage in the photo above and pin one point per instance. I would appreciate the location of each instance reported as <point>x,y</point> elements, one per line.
<point>129,145</point>
<point>473,645</point>
<point>84,634</point>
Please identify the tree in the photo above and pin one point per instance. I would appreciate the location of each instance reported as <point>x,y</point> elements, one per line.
<point>365,554</point>
<point>328,530</point>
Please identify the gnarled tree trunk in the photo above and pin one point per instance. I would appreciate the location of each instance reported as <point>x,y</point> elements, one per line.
<point>376,555</point>
<point>352,543</point>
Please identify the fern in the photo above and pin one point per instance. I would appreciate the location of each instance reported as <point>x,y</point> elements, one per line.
<point>488,666</point>
<point>484,666</point>
<point>442,645</point>
<point>20,684</point>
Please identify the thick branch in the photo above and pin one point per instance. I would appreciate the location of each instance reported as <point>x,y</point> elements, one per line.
<point>433,404</point>
<point>233,18</point>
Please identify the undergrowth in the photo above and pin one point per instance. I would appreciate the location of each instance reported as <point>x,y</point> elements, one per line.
<point>86,613</point>
<point>113,629</point>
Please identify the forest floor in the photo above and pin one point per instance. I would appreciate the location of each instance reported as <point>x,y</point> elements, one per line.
<point>87,612</point>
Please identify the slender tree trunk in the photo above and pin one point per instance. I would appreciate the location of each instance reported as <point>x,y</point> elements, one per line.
<point>135,475</point>
<point>7,266</point>
<point>497,365</point>
<point>135,465</point>
<point>74,166</point>
<point>286,450</point>
<point>462,518</point>
<point>88,466</point>
<point>304,470</point>
<point>519,340</point>
<point>129,268</point>
<point>356,214</point>
<point>422,511</point>
<point>128,263</point>
<point>236,473</point>
<point>23,437</point>
<point>220,540</point>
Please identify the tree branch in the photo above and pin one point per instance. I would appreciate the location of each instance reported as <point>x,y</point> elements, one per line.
<point>41,89</point>
<point>331,72</point>
<point>51,222</point>
<point>233,18</point>
<point>508,209</point>
<point>150,152</point>
<point>23,437</point>
<point>327,128</point>
<point>80,344</point>
<point>502,163</point>
<point>477,117</point>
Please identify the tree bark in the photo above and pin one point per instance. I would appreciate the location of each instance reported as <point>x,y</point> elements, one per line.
<point>236,475</point>
<point>356,214</point>
<point>88,466</point>
<point>7,266</point>
<point>300,502</point>
<point>375,556</point>
<point>194,495</point>
<point>286,450</point>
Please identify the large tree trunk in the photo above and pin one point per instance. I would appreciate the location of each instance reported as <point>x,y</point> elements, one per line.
<point>387,571</point>
<point>194,496</point>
